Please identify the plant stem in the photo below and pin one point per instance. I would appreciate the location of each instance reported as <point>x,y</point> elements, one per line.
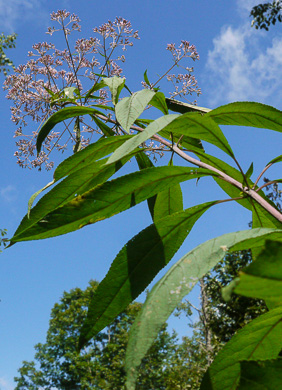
<point>260,175</point>
<point>249,192</point>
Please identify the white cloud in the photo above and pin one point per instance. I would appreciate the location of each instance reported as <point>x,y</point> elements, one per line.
<point>5,385</point>
<point>8,193</point>
<point>240,67</point>
<point>12,12</point>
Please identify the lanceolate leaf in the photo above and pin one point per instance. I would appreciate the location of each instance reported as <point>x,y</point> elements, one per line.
<point>82,159</point>
<point>250,171</point>
<point>262,278</point>
<point>107,131</point>
<point>187,142</point>
<point>144,162</point>
<point>202,127</point>
<point>71,187</point>
<point>248,114</point>
<point>129,108</point>
<point>59,116</point>
<point>87,156</point>
<point>175,285</point>
<point>146,78</point>
<point>35,195</point>
<point>275,160</point>
<point>261,339</point>
<point>105,201</point>
<point>231,190</point>
<point>136,265</point>
<point>168,202</point>
<point>159,102</point>
<point>138,139</point>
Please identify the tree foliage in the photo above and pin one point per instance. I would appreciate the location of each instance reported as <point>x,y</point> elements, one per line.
<point>101,363</point>
<point>226,318</point>
<point>266,14</point>
<point>3,240</point>
<point>6,42</point>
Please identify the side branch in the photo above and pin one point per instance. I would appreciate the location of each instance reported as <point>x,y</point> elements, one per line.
<point>249,192</point>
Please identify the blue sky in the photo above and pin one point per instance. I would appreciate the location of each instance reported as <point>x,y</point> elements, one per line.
<point>237,62</point>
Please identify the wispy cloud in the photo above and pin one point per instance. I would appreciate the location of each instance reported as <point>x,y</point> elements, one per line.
<point>5,385</point>
<point>13,12</point>
<point>244,6</point>
<point>241,67</point>
<point>8,193</point>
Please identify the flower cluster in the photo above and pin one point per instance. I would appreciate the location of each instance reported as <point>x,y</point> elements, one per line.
<point>37,87</point>
<point>184,84</point>
<point>54,78</point>
<point>184,50</point>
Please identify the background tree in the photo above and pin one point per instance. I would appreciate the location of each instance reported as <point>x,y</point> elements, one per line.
<point>101,363</point>
<point>6,42</point>
<point>266,14</point>
<point>218,319</point>
<point>3,241</point>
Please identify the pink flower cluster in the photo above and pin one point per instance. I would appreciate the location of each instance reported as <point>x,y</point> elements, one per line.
<point>36,88</point>
<point>184,84</point>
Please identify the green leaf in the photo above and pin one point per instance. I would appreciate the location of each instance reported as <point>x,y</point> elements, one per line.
<point>102,202</point>
<point>130,108</point>
<point>107,131</point>
<point>261,339</point>
<point>177,106</point>
<point>115,85</point>
<point>275,160</point>
<point>175,285</point>
<point>221,165</point>
<point>261,375</point>
<point>90,154</point>
<point>144,162</point>
<point>76,130</point>
<point>263,278</point>
<point>59,116</point>
<point>146,79</point>
<point>95,87</point>
<point>261,218</point>
<point>80,160</point>
<point>135,266</point>
<point>138,139</point>
<point>248,114</point>
<point>250,171</point>
<point>189,143</point>
<point>202,127</point>
<point>159,102</point>
<point>35,195</point>
<point>71,187</point>
<point>69,92</point>
<point>168,202</point>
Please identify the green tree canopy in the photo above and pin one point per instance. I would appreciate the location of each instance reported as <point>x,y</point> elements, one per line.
<point>100,364</point>
<point>266,14</point>
<point>6,42</point>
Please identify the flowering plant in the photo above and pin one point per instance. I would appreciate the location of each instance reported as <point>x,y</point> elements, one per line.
<point>85,194</point>
<point>55,78</point>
